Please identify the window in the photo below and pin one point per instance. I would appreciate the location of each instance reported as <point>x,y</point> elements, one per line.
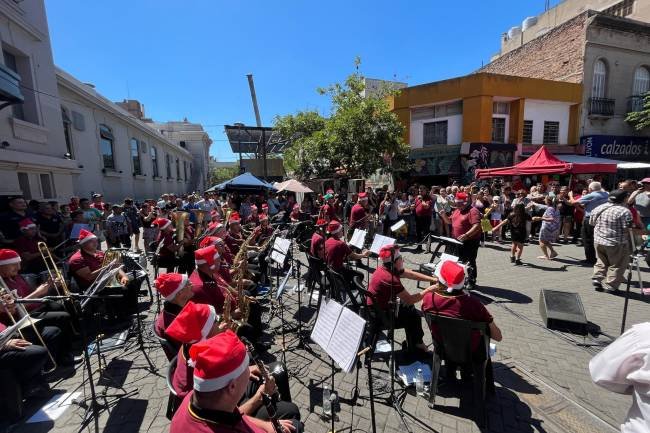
<point>551,132</point>
<point>135,156</point>
<point>621,9</point>
<point>528,132</point>
<point>500,108</point>
<point>168,160</point>
<point>599,85</point>
<point>106,146</point>
<point>46,185</point>
<point>67,132</point>
<point>498,130</point>
<point>641,81</point>
<point>23,183</point>
<point>185,170</point>
<point>442,110</point>
<point>178,169</point>
<point>21,65</point>
<point>434,133</point>
<point>154,161</point>
<point>11,63</point>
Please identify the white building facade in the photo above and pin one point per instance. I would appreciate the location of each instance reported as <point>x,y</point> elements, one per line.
<point>34,160</point>
<point>118,154</point>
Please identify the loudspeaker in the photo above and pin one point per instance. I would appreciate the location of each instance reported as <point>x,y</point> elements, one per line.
<point>562,311</point>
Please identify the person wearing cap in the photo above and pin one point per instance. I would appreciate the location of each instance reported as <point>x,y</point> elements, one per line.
<point>205,287</point>
<point>86,264</point>
<point>27,246</point>
<point>448,299</point>
<point>118,229</point>
<point>466,227</point>
<point>221,378</point>
<point>262,232</point>
<point>589,202</point>
<point>611,222</point>
<point>386,282</point>
<point>176,291</point>
<point>337,252</point>
<point>294,216</point>
<point>234,237</point>
<point>328,211</point>
<point>317,245</point>
<point>98,202</point>
<point>359,215</point>
<point>254,217</point>
<point>167,245</point>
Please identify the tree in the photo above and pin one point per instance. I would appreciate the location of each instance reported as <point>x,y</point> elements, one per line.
<point>641,119</point>
<point>360,137</point>
<point>220,174</point>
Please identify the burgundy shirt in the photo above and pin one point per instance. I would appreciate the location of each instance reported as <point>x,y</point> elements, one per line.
<point>24,245</point>
<point>191,420</point>
<point>358,218</point>
<point>182,379</point>
<point>317,248</point>
<point>22,289</point>
<point>233,242</point>
<point>422,211</point>
<point>162,322</point>
<point>206,291</point>
<point>80,260</point>
<point>167,239</point>
<point>382,282</point>
<point>460,306</point>
<point>328,212</point>
<point>336,251</point>
<point>463,219</point>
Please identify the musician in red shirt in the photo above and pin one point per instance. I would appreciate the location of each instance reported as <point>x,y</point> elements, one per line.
<point>337,252</point>
<point>221,376</point>
<point>423,213</point>
<point>328,211</point>
<point>167,246</point>
<point>176,290</point>
<point>86,264</point>
<point>386,282</point>
<point>466,227</point>
<point>27,246</point>
<point>317,246</point>
<point>234,238</point>
<point>358,214</point>
<point>204,285</point>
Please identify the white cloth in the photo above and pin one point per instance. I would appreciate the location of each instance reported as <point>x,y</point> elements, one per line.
<point>624,367</point>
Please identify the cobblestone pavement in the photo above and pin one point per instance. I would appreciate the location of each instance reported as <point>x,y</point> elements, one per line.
<point>542,378</point>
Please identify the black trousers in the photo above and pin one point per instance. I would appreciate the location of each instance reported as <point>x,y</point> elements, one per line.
<point>422,226</point>
<point>57,319</point>
<point>409,318</point>
<point>467,253</point>
<point>588,241</point>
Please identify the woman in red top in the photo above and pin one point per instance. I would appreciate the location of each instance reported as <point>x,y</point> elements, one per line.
<point>423,212</point>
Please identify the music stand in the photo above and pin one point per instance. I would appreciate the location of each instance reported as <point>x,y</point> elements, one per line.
<point>279,253</point>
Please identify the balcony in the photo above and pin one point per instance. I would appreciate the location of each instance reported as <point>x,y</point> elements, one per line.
<point>635,103</point>
<point>601,107</point>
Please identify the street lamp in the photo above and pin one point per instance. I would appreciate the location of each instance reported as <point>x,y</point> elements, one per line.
<point>239,126</point>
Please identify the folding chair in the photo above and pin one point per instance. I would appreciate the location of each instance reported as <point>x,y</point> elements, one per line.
<point>170,350</point>
<point>315,277</point>
<point>173,401</point>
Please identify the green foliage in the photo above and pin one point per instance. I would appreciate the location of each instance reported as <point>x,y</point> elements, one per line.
<point>360,137</point>
<point>220,174</point>
<point>640,119</point>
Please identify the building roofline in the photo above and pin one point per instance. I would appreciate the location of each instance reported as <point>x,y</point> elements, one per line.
<point>479,74</point>
<point>619,23</point>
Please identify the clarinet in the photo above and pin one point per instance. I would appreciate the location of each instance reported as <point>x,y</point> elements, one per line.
<point>273,415</point>
<point>262,367</point>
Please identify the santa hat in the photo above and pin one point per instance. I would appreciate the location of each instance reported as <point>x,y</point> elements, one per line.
<point>235,218</point>
<point>218,361</point>
<point>263,217</point>
<point>296,206</point>
<point>8,257</point>
<point>207,241</point>
<point>206,256</point>
<point>162,223</point>
<point>389,253</point>
<point>363,196</point>
<point>334,227</point>
<point>451,274</point>
<point>27,224</point>
<point>329,191</point>
<point>193,323</point>
<point>170,284</point>
<point>265,206</point>
<point>460,197</point>
<point>85,236</point>
<point>321,222</point>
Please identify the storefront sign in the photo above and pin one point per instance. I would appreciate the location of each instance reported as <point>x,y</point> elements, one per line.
<point>435,161</point>
<point>486,155</point>
<point>617,147</point>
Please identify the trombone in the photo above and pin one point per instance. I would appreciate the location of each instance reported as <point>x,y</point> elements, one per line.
<point>53,270</point>
<point>22,312</point>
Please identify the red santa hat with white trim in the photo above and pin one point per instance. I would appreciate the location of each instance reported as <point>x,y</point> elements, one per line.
<point>85,236</point>
<point>450,274</point>
<point>206,256</point>
<point>218,361</point>
<point>27,224</point>
<point>8,257</point>
<point>193,323</point>
<point>334,227</point>
<point>168,285</point>
<point>234,218</point>
<point>389,253</point>
<point>162,223</point>
<point>363,196</point>
<point>263,217</point>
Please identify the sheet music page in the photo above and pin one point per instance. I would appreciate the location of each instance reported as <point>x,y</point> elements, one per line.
<point>344,344</point>
<point>445,257</point>
<point>282,245</point>
<point>283,284</point>
<point>380,241</point>
<point>450,240</point>
<point>328,315</point>
<point>398,225</point>
<point>358,238</point>
<point>8,333</point>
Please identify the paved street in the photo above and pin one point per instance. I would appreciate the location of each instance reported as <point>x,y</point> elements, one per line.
<point>542,378</point>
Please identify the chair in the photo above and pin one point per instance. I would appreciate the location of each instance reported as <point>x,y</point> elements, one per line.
<point>173,401</point>
<point>315,277</point>
<point>343,291</point>
<point>455,347</point>
<point>170,350</point>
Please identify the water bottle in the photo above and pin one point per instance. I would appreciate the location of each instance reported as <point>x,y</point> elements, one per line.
<point>327,403</point>
<point>419,382</point>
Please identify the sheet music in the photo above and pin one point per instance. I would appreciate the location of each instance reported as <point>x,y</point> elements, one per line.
<point>450,240</point>
<point>408,372</point>
<point>8,333</point>
<point>280,250</point>
<point>283,284</point>
<point>344,344</point>
<point>380,241</point>
<point>398,225</point>
<point>327,316</point>
<point>358,238</point>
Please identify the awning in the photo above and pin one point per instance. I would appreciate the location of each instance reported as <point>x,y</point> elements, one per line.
<point>243,182</point>
<point>292,185</point>
<point>621,165</point>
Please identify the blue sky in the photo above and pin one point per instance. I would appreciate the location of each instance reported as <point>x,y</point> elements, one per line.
<point>190,58</point>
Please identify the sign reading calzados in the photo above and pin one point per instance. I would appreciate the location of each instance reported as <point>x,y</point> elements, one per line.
<point>617,147</point>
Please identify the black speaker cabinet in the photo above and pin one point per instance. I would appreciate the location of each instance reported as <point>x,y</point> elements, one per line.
<point>562,311</point>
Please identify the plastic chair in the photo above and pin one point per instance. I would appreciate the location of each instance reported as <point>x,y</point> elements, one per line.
<point>169,348</point>
<point>173,401</point>
<point>345,292</point>
<point>455,347</point>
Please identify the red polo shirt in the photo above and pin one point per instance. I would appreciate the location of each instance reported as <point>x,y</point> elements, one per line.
<point>421,210</point>
<point>80,260</point>
<point>191,420</point>
<point>463,219</point>
<point>182,379</point>
<point>206,291</point>
<point>328,212</point>
<point>358,218</point>
<point>233,242</point>
<point>336,252</point>
<point>460,306</point>
<point>167,239</point>
<point>382,282</point>
<point>317,245</point>
<point>22,289</point>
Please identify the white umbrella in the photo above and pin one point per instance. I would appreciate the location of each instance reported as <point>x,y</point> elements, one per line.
<point>293,186</point>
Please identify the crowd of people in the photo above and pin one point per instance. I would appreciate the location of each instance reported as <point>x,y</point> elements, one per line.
<point>213,249</point>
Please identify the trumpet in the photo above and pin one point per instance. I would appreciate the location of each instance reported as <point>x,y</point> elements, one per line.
<point>7,298</point>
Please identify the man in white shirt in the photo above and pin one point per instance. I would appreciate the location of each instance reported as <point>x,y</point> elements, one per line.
<point>623,367</point>
<point>206,204</point>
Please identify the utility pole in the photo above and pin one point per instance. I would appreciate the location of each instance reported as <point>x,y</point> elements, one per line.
<point>251,85</point>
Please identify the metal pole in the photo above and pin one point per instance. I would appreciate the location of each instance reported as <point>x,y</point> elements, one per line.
<point>264,169</point>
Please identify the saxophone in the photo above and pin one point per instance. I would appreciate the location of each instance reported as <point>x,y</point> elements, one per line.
<point>179,219</point>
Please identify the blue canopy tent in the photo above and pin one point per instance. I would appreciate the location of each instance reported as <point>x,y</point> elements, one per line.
<point>245,182</point>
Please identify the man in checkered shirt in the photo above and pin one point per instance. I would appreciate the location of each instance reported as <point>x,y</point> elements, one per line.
<point>611,222</point>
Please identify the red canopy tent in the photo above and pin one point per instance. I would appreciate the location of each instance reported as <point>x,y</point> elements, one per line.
<point>544,162</point>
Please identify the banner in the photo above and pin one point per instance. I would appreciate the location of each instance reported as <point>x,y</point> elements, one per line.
<point>617,147</point>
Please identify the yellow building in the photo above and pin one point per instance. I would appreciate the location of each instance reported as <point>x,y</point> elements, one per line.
<point>484,120</point>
